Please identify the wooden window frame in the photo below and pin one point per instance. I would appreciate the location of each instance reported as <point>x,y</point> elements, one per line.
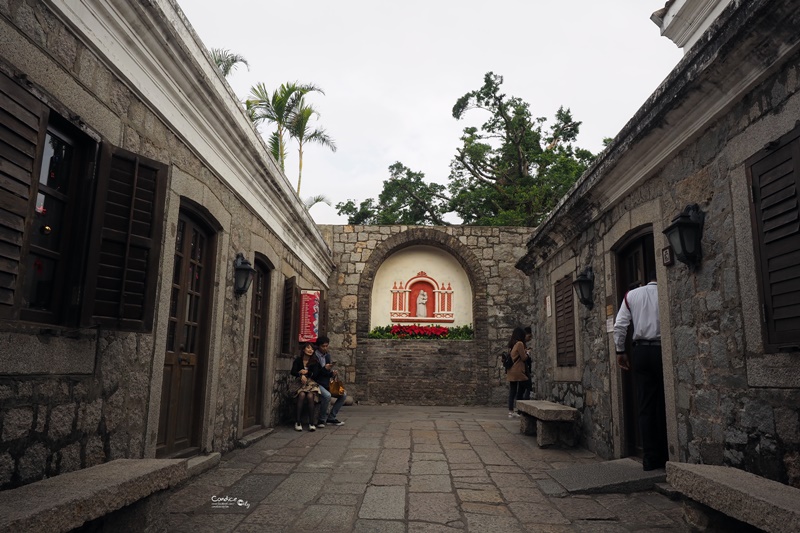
<point>758,165</point>
<point>26,121</point>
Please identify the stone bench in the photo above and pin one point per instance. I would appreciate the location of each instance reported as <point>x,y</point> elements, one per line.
<point>551,422</point>
<point>126,494</point>
<point>732,493</point>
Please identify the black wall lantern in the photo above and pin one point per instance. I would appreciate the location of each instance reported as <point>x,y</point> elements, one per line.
<point>242,274</point>
<point>584,287</point>
<point>685,235</point>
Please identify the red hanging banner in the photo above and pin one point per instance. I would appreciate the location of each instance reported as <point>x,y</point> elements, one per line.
<point>309,315</point>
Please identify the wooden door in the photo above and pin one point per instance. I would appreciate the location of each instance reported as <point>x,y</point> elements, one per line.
<point>254,388</point>
<point>634,262</point>
<point>187,341</point>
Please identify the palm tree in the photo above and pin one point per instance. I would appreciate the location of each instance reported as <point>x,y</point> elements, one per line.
<point>299,130</point>
<point>227,61</point>
<point>277,107</point>
<point>311,201</point>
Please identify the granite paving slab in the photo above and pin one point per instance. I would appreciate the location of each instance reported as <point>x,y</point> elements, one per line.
<point>384,503</point>
<point>403,469</point>
<point>430,483</point>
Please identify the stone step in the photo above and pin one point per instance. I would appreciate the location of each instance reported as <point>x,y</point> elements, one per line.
<point>620,476</point>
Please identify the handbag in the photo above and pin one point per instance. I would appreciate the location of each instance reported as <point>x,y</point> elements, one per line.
<point>294,386</point>
<point>336,388</point>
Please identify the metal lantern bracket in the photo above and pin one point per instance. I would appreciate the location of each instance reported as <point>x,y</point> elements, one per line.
<point>584,287</point>
<point>242,274</point>
<point>685,236</point>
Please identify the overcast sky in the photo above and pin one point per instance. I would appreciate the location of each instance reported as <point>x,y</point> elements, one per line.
<point>391,72</point>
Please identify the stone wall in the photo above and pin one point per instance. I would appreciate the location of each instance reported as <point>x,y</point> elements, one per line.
<point>421,372</point>
<point>501,302</point>
<point>728,402</point>
<point>589,389</point>
<point>731,407</point>
<point>55,424</point>
<point>71,399</point>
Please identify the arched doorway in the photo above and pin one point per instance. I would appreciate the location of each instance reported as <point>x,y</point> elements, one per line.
<point>256,354</point>
<point>635,260</point>
<point>186,352</point>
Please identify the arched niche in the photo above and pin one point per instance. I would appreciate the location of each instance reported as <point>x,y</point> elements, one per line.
<point>421,284</point>
<point>465,257</point>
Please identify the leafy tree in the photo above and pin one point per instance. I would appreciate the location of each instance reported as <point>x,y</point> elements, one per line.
<point>406,199</point>
<point>277,107</point>
<point>227,61</point>
<point>509,172</point>
<point>365,213</point>
<point>300,130</point>
<point>512,171</point>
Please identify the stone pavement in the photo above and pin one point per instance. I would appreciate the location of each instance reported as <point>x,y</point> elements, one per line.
<point>398,469</point>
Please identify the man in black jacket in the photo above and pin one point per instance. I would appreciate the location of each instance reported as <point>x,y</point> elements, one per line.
<point>324,380</point>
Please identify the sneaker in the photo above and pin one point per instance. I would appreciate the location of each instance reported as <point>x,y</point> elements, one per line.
<point>511,414</point>
<point>298,427</point>
<point>312,427</point>
<point>320,424</point>
<point>516,414</point>
<point>334,422</point>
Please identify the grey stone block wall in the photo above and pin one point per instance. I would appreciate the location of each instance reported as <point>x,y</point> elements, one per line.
<point>732,403</point>
<point>501,302</point>
<point>56,424</point>
<point>722,419</point>
<point>92,404</point>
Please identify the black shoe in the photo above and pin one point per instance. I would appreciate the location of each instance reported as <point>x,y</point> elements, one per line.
<point>334,422</point>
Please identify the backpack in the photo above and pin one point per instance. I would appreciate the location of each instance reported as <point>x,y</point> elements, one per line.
<point>508,362</point>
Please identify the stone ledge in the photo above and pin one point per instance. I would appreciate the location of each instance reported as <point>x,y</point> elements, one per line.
<point>202,463</point>
<point>752,499</point>
<point>252,438</point>
<point>548,411</point>
<point>65,502</point>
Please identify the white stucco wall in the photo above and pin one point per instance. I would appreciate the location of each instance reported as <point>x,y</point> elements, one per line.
<point>406,264</point>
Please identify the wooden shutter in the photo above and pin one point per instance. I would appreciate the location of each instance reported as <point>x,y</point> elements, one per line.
<point>23,124</point>
<point>291,317</point>
<point>323,313</point>
<point>126,241</point>
<point>565,323</point>
<point>775,180</point>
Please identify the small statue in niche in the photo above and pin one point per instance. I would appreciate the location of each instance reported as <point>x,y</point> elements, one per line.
<point>422,304</point>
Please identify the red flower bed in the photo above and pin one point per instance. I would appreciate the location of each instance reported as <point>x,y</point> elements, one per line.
<point>414,331</point>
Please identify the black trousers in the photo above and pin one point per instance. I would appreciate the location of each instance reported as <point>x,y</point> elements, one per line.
<point>527,389</point>
<point>515,391</point>
<point>648,375</point>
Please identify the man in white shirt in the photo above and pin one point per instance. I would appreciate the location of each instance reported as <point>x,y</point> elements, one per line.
<point>640,305</point>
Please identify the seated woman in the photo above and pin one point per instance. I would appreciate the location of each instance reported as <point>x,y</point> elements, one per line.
<point>305,369</point>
